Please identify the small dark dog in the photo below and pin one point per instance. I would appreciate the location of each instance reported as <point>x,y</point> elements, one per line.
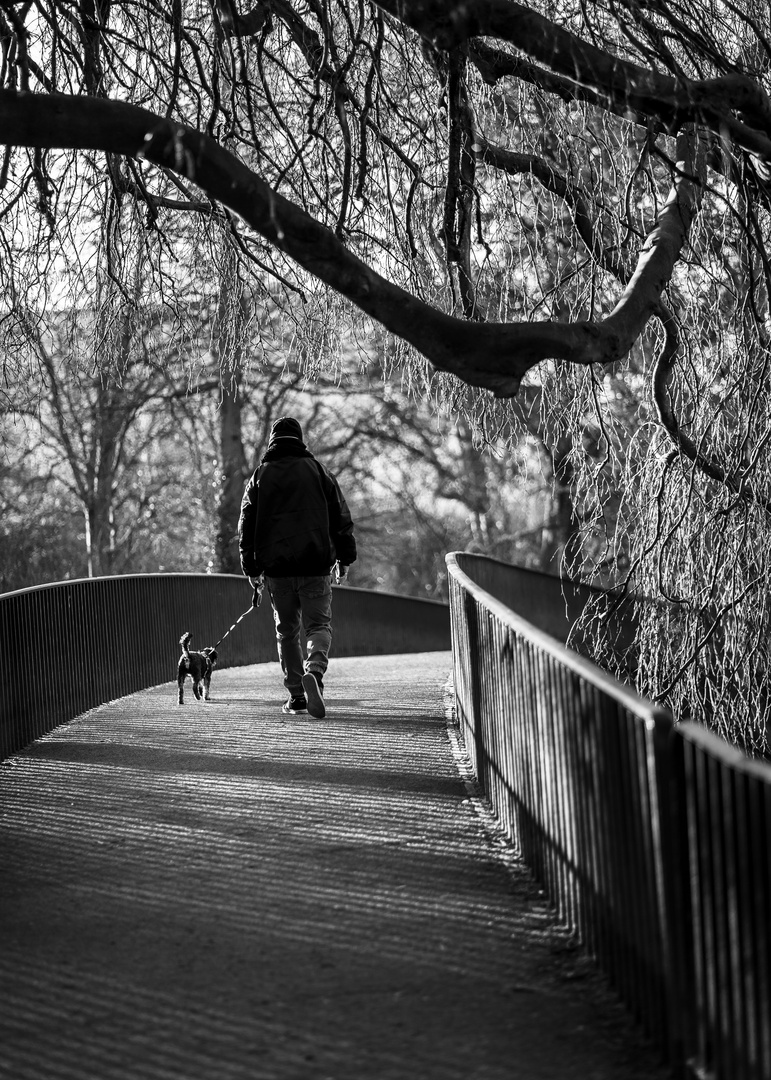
<point>198,665</point>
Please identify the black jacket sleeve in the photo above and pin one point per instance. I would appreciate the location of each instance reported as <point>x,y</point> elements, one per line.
<point>247,527</point>
<point>340,522</point>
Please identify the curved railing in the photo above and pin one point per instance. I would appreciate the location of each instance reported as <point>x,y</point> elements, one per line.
<point>652,840</point>
<point>71,646</point>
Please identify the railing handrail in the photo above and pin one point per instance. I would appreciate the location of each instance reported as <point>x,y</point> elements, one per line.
<point>67,582</point>
<point>198,574</point>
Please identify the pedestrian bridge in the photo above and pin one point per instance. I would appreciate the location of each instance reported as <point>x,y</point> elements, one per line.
<point>220,890</point>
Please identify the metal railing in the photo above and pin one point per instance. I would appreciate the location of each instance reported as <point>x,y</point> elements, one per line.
<point>74,645</point>
<point>652,840</point>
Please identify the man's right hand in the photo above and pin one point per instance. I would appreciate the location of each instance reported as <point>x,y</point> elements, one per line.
<point>258,584</point>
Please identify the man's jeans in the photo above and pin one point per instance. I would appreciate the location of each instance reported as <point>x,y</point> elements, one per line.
<point>301,602</point>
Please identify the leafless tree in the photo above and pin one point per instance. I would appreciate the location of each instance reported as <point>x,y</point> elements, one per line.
<point>566,196</point>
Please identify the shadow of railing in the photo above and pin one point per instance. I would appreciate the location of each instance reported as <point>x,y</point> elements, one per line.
<point>651,839</point>
<point>74,645</point>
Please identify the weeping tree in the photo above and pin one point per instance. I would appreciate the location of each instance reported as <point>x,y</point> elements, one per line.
<point>556,207</point>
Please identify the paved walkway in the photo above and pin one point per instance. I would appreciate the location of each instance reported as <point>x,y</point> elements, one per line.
<point>221,891</point>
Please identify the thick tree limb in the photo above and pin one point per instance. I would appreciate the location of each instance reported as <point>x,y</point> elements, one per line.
<point>733,105</point>
<point>494,64</point>
<point>491,355</point>
<point>661,397</point>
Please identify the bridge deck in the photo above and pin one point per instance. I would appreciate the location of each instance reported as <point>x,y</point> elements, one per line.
<point>222,891</point>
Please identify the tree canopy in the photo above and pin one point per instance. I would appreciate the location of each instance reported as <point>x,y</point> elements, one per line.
<point>565,204</point>
<point>316,125</point>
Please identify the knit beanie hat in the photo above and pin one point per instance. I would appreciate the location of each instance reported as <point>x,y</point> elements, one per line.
<point>286,427</point>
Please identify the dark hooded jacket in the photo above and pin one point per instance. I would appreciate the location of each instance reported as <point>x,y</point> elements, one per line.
<point>294,520</point>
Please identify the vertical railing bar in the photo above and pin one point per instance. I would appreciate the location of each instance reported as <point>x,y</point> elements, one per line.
<point>521,737</point>
<point>568,750</point>
<point>701,911</point>
<point>723,1017</point>
<point>594,854</point>
<point>651,941</point>
<point>536,777</point>
<point>537,807</point>
<point>737,1035</point>
<point>710,823</point>
<point>507,721</point>
<point>557,788</point>
<point>681,918</point>
<point>520,745</point>
<point>559,823</point>
<point>642,943</point>
<point>746,931</point>
<point>628,885</point>
<point>762,831</point>
<point>581,817</point>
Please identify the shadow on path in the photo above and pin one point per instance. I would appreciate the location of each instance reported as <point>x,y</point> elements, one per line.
<point>221,891</point>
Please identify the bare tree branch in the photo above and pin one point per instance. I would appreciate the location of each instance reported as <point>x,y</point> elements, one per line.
<point>492,355</point>
<point>732,105</point>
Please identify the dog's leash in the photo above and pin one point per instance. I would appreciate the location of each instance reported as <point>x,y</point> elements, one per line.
<point>256,600</point>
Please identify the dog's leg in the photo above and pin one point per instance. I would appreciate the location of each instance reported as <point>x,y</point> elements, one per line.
<point>181,685</point>
<point>197,689</point>
<point>206,685</point>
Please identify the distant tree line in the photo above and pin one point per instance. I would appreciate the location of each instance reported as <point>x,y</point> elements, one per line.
<point>145,472</point>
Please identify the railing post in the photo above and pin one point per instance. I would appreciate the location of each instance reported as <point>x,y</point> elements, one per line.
<point>673,889</point>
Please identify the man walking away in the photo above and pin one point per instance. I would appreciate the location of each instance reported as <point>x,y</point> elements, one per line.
<point>294,528</point>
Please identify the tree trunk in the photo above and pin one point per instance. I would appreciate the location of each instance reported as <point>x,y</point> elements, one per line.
<point>228,336</point>
<point>232,478</point>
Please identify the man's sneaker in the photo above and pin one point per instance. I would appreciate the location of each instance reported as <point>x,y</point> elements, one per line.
<point>295,704</point>
<point>314,690</point>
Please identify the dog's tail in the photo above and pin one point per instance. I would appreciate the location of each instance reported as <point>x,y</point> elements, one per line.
<point>185,641</point>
